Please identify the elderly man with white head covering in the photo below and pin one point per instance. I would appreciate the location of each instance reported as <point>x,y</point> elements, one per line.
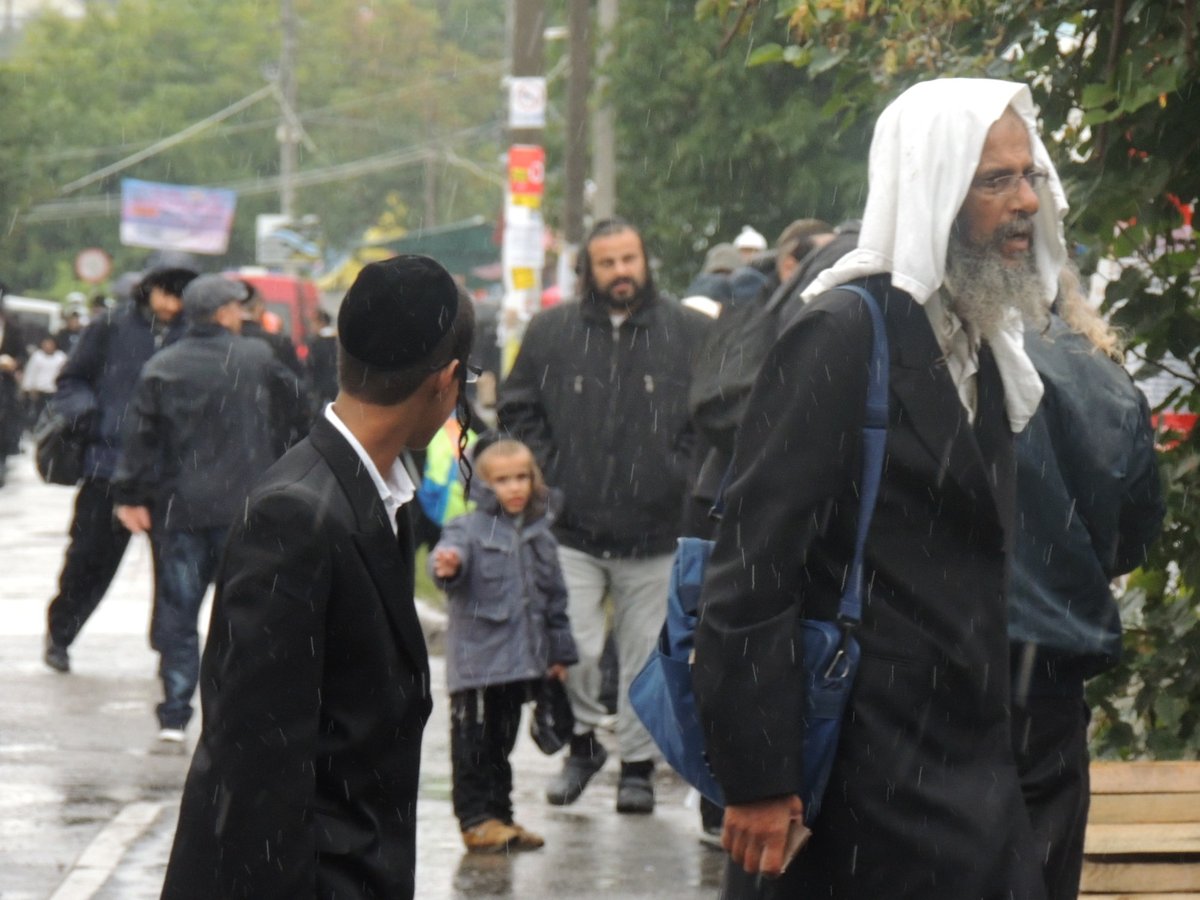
<point>960,240</point>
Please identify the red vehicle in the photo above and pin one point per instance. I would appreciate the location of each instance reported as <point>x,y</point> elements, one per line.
<point>291,303</point>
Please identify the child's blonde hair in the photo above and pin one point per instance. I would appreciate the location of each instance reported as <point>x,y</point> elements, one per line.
<point>511,447</point>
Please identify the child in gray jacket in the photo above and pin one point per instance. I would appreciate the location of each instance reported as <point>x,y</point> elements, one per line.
<point>507,630</point>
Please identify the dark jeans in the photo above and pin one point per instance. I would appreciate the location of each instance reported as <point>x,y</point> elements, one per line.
<point>1050,745</point>
<point>98,542</point>
<point>483,729</point>
<point>187,563</point>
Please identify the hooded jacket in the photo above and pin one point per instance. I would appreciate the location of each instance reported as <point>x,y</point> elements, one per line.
<point>97,382</point>
<point>508,602</point>
<point>605,412</point>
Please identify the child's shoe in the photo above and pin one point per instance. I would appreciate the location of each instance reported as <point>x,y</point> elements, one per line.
<point>490,836</point>
<point>526,840</point>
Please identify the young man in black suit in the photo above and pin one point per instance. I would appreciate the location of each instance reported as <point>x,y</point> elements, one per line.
<point>961,242</point>
<point>315,680</point>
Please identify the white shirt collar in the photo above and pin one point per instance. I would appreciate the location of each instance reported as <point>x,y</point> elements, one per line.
<point>396,489</point>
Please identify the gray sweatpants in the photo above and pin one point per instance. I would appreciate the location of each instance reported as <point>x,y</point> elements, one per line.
<point>638,588</point>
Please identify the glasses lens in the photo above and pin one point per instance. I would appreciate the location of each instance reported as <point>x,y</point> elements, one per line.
<point>472,374</point>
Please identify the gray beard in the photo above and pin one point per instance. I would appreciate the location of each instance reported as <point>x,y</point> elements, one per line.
<point>982,287</point>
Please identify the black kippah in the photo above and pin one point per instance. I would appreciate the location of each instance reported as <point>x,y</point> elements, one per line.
<point>396,311</point>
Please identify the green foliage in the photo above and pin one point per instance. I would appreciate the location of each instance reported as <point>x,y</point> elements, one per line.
<point>1119,89</point>
<point>706,144</point>
<point>372,79</point>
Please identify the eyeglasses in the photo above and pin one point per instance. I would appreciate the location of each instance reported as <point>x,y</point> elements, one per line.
<point>469,373</point>
<point>1010,182</point>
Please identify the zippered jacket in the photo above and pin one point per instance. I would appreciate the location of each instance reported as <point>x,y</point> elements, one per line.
<point>508,602</point>
<point>605,412</point>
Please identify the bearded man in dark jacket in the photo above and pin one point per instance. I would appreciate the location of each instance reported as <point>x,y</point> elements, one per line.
<point>94,390</point>
<point>599,392</point>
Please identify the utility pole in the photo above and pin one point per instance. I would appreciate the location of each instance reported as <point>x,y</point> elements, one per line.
<point>604,152</point>
<point>524,252</point>
<point>288,138</point>
<point>575,164</point>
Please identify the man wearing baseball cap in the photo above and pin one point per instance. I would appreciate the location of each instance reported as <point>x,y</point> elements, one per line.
<point>315,679</point>
<point>196,438</point>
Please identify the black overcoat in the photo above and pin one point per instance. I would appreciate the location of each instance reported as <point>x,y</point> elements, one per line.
<point>924,800</point>
<point>315,692</point>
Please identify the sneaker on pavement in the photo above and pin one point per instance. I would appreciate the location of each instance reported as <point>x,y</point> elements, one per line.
<point>171,735</point>
<point>56,656</point>
<point>526,839</point>
<point>576,772</point>
<point>635,794</point>
<point>489,836</point>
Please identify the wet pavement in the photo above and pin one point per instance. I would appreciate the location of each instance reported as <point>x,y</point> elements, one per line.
<point>88,799</point>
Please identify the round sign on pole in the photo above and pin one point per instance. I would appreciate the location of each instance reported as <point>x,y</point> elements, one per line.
<point>93,265</point>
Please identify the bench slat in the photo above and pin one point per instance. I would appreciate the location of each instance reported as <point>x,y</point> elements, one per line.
<point>1140,878</point>
<point>1118,808</point>
<point>1144,837</point>
<point>1145,777</point>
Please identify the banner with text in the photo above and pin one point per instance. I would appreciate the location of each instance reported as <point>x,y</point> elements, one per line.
<point>176,217</point>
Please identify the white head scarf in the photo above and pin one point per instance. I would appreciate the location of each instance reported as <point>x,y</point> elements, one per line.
<point>924,155</point>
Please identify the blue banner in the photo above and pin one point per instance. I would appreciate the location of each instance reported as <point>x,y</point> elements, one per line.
<point>176,217</point>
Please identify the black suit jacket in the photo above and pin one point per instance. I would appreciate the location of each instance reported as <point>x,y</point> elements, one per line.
<point>924,799</point>
<point>315,692</point>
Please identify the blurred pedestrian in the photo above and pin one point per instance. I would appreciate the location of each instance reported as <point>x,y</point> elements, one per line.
<point>196,439</point>
<point>68,336</point>
<point>94,391</point>
<point>41,373</point>
<point>13,353</point>
<point>316,678</point>
<point>321,362</point>
<point>1089,503</point>
<point>961,241</point>
<point>599,393</point>
<point>507,630</point>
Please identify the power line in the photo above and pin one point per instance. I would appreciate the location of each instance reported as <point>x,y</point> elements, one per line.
<point>110,204</point>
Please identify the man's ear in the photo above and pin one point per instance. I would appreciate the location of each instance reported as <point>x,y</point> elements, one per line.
<point>445,377</point>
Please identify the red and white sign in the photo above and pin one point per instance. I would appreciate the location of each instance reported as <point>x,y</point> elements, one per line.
<point>526,173</point>
<point>93,265</point>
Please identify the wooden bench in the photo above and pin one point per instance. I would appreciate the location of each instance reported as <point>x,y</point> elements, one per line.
<point>1143,834</point>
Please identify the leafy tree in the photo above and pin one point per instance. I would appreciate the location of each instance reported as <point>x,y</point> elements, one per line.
<point>1119,89</point>
<point>706,145</point>
<point>372,79</point>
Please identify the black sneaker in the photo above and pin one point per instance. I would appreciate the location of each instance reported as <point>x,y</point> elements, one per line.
<point>635,794</point>
<point>576,772</point>
<point>56,656</point>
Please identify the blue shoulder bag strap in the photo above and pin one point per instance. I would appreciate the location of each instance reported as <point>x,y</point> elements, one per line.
<point>874,439</point>
<point>875,426</point>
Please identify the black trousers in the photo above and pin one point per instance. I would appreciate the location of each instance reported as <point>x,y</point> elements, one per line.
<point>483,730</point>
<point>98,542</point>
<point>1050,745</point>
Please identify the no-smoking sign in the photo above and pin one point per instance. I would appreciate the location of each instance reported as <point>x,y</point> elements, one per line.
<point>527,102</point>
<point>93,265</point>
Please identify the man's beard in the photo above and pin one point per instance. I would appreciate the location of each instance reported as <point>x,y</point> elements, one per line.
<point>641,294</point>
<point>983,286</point>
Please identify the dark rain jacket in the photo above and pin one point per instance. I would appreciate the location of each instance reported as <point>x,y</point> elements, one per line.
<point>1089,501</point>
<point>508,603</point>
<point>923,800</point>
<point>199,429</point>
<point>605,411</point>
<point>315,692</point>
<point>97,382</point>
